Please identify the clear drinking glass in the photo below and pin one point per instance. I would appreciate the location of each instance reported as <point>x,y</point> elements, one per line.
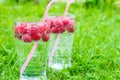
<point>62,57</point>
<point>36,68</point>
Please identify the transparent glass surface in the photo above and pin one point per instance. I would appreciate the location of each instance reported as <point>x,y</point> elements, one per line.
<point>36,69</point>
<point>62,57</point>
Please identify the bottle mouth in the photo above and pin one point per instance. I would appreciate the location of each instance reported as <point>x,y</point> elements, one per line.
<point>28,20</point>
<point>60,14</point>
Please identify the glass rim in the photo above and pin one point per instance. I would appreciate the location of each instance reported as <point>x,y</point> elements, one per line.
<point>27,19</point>
<point>61,14</point>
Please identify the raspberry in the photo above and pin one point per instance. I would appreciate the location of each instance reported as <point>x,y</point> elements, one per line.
<point>48,30</point>
<point>34,33</point>
<point>33,30</point>
<point>45,37</point>
<point>46,20</point>
<point>71,29</point>
<point>52,24</point>
<point>61,30</point>
<point>54,30</point>
<point>27,38</point>
<point>16,30</point>
<point>36,37</point>
<point>21,30</point>
<point>42,28</point>
<point>58,24</point>
<point>18,36</point>
<point>65,22</point>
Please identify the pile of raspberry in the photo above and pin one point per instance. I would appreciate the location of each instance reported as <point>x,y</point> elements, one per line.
<point>58,24</point>
<point>29,32</point>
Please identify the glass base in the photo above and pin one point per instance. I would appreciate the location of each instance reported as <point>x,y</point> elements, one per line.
<point>33,78</point>
<point>59,66</point>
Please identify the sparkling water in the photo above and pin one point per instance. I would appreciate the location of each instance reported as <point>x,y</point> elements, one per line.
<point>62,57</point>
<point>36,69</point>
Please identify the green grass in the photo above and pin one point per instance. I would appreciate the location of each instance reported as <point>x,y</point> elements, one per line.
<point>96,49</point>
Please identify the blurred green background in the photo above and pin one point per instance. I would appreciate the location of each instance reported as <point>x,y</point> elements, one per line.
<point>96,49</point>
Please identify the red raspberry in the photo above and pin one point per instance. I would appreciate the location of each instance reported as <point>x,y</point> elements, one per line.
<point>18,36</point>
<point>45,37</point>
<point>52,24</point>
<point>33,30</point>
<point>36,37</point>
<point>54,30</point>
<point>46,20</point>
<point>27,38</point>
<point>58,24</point>
<point>62,29</point>
<point>48,30</point>
<point>65,22</point>
<point>21,30</point>
<point>71,29</point>
<point>42,28</point>
<point>16,30</point>
<point>34,33</point>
